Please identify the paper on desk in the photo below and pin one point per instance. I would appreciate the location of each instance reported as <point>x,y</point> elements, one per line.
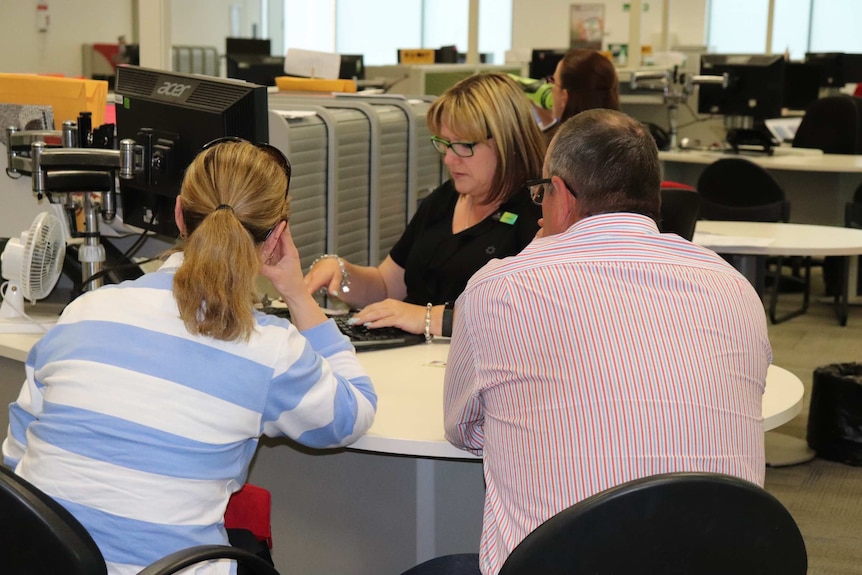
<point>709,240</point>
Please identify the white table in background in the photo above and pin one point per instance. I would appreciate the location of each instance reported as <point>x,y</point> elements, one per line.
<point>781,239</point>
<point>817,185</point>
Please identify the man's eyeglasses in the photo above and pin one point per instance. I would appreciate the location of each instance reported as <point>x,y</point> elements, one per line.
<point>461,149</point>
<point>271,150</point>
<point>538,188</point>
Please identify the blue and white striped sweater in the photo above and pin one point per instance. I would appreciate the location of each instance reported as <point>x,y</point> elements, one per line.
<point>143,430</point>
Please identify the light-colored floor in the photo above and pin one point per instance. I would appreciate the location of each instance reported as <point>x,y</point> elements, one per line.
<point>824,497</point>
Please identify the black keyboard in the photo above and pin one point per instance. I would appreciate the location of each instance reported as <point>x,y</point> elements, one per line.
<point>363,338</point>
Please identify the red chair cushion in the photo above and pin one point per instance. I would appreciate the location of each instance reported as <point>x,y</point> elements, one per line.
<point>250,508</point>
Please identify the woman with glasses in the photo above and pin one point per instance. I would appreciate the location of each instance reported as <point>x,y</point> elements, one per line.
<point>583,80</point>
<point>491,146</point>
<point>143,407</point>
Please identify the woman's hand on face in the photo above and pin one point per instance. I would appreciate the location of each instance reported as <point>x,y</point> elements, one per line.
<point>280,263</point>
<point>392,312</point>
<point>326,273</point>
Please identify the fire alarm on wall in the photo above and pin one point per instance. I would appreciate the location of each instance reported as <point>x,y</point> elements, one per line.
<point>43,18</point>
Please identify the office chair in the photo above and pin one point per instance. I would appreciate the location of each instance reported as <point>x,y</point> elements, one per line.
<point>38,536</point>
<point>737,189</point>
<point>832,124</point>
<point>675,524</point>
<point>680,205</point>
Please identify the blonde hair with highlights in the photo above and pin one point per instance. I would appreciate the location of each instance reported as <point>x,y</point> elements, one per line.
<point>493,106</point>
<point>232,194</point>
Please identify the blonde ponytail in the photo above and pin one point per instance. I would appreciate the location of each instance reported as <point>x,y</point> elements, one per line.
<point>232,195</point>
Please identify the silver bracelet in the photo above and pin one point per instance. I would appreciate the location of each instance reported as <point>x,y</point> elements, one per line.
<point>345,276</point>
<point>428,336</point>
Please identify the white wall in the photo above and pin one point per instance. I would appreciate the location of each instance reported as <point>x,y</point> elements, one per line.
<point>545,23</point>
<point>535,24</point>
<point>72,23</point>
<point>77,22</point>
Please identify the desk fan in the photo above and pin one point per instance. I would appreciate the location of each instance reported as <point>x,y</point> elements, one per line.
<point>32,265</point>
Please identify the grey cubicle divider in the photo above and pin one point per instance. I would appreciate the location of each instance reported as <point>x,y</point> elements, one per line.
<point>388,164</point>
<point>303,138</point>
<point>425,169</point>
<point>344,171</point>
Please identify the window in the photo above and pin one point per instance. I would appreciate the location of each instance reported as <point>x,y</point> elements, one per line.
<point>377,28</point>
<point>799,26</point>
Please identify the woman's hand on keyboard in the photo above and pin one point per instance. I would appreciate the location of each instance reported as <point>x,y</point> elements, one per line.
<point>392,312</point>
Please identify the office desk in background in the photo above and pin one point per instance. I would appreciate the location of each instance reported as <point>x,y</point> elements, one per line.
<point>817,185</point>
<point>782,239</point>
<point>399,495</point>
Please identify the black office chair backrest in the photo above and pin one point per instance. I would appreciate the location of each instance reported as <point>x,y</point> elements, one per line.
<point>674,524</point>
<point>38,536</point>
<point>738,189</point>
<point>832,124</point>
<point>679,211</point>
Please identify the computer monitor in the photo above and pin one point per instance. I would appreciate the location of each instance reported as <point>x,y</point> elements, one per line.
<point>352,67</point>
<point>544,61</point>
<point>446,55</point>
<point>801,85</point>
<point>256,68</point>
<point>755,86</point>
<point>836,68</point>
<point>171,116</point>
<point>259,46</point>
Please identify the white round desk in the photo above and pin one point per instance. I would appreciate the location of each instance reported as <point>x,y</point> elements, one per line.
<point>402,493</point>
<point>748,240</point>
<point>409,384</point>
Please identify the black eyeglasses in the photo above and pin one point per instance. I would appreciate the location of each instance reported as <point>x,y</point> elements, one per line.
<point>461,149</point>
<point>537,189</point>
<point>271,150</point>
<point>550,80</point>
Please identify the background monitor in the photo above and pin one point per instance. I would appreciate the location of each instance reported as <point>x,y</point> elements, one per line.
<point>446,55</point>
<point>352,67</point>
<point>171,116</point>
<point>801,85</point>
<point>836,68</point>
<point>755,86</point>
<point>247,46</point>
<point>256,68</point>
<point>544,62</point>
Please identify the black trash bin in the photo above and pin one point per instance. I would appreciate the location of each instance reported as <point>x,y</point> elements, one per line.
<point>835,413</point>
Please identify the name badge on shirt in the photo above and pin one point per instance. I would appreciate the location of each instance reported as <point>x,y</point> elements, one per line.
<point>506,217</point>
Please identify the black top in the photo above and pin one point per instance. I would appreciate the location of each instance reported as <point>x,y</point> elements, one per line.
<point>438,263</point>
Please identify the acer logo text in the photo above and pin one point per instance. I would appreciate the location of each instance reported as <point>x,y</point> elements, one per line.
<point>173,89</point>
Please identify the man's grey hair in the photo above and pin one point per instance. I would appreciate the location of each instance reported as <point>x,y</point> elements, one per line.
<point>611,162</point>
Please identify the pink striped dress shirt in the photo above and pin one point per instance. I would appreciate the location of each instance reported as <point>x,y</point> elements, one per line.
<point>602,354</point>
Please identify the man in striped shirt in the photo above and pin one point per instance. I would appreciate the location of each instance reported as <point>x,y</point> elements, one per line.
<point>605,351</point>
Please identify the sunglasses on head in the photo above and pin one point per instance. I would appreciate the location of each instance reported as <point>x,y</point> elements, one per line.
<point>271,150</point>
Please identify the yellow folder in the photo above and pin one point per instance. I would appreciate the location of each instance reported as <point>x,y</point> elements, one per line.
<point>291,84</point>
<point>68,97</point>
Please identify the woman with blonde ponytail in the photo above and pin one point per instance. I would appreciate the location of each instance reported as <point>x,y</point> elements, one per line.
<point>143,407</point>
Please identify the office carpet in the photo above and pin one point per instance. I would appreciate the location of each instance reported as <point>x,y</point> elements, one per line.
<point>824,497</point>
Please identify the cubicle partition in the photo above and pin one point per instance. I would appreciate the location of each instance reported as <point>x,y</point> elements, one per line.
<point>402,167</point>
<point>425,169</point>
<point>387,145</point>
<point>330,198</point>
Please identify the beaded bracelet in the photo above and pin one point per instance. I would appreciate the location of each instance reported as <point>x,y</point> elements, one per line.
<point>345,276</point>
<point>428,336</point>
